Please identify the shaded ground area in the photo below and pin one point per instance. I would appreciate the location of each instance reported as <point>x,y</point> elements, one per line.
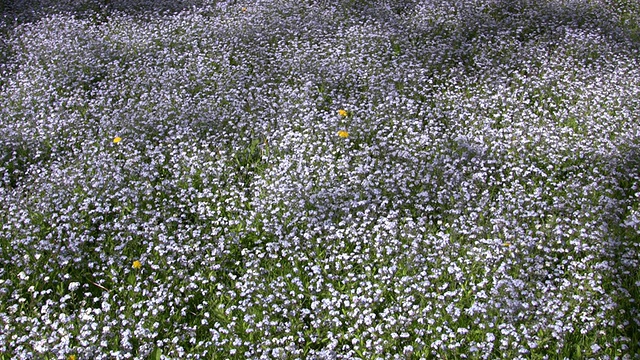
<point>29,10</point>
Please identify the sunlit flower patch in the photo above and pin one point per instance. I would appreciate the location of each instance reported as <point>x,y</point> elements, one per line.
<point>487,207</point>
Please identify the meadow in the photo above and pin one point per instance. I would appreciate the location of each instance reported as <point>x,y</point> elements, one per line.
<point>346,179</point>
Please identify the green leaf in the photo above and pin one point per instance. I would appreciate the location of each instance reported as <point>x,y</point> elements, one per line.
<point>131,279</point>
<point>155,354</point>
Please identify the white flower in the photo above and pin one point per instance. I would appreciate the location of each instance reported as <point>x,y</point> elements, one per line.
<point>490,337</point>
<point>408,350</point>
<point>73,286</point>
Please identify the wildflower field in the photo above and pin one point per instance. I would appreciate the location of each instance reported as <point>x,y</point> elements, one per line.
<point>298,179</point>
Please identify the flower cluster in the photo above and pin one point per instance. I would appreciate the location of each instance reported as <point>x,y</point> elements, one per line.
<point>320,179</point>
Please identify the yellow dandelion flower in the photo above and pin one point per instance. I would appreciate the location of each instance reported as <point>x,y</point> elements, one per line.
<point>507,244</point>
<point>137,264</point>
<point>343,112</point>
<point>117,139</point>
<point>343,134</point>
<point>71,357</point>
